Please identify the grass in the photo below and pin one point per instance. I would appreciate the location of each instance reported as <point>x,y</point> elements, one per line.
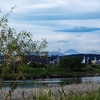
<point>55,71</point>
<point>56,94</point>
<point>53,94</point>
<point>64,95</point>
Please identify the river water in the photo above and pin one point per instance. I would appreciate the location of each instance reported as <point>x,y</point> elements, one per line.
<point>38,83</point>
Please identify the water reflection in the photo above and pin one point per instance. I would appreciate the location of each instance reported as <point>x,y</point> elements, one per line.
<point>38,83</point>
<point>90,79</point>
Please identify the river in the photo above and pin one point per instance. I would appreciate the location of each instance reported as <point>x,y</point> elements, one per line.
<point>38,83</point>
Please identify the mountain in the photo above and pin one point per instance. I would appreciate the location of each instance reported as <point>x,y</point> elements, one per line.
<point>71,51</point>
<point>55,53</point>
<point>93,52</point>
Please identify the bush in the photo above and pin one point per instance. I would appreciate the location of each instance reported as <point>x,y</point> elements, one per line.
<point>93,66</point>
<point>83,65</point>
<point>40,65</point>
<point>75,62</point>
<point>33,65</point>
<point>36,65</point>
<point>64,63</point>
<point>71,63</point>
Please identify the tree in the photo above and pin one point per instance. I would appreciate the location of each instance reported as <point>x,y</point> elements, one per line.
<point>14,43</point>
<point>75,62</point>
<point>64,63</point>
<point>45,53</point>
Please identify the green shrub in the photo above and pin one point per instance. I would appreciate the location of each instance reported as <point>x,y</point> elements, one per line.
<point>93,65</point>
<point>40,65</point>
<point>33,65</point>
<point>64,63</point>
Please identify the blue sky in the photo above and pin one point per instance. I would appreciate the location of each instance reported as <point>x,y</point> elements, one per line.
<point>66,24</point>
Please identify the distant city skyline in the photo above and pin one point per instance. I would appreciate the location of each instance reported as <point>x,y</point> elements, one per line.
<point>65,24</point>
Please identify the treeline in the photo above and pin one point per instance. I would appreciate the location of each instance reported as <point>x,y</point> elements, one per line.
<point>72,62</point>
<point>66,62</point>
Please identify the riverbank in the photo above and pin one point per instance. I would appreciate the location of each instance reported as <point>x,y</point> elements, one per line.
<point>70,75</point>
<point>21,94</point>
<point>53,72</point>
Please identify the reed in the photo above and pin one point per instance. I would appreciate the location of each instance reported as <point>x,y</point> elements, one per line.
<point>89,91</point>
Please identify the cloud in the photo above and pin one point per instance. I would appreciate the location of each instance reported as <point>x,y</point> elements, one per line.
<point>41,6</point>
<point>78,36</point>
<point>53,9</point>
<point>43,16</point>
<point>79,29</point>
<point>57,20</point>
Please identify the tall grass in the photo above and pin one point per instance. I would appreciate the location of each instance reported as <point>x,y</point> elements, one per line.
<point>53,93</point>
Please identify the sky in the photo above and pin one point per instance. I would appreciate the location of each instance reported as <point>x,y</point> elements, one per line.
<point>65,24</point>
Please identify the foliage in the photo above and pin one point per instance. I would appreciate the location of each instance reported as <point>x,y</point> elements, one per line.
<point>32,65</point>
<point>41,65</point>
<point>71,63</point>
<point>40,46</point>
<point>64,62</point>
<point>14,45</point>
<point>75,62</point>
<point>50,71</point>
<point>36,65</point>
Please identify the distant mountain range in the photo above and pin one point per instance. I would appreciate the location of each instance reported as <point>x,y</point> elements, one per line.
<point>55,53</point>
<point>68,52</point>
<point>93,52</point>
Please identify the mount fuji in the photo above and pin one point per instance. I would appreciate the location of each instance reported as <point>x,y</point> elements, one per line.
<point>71,51</point>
